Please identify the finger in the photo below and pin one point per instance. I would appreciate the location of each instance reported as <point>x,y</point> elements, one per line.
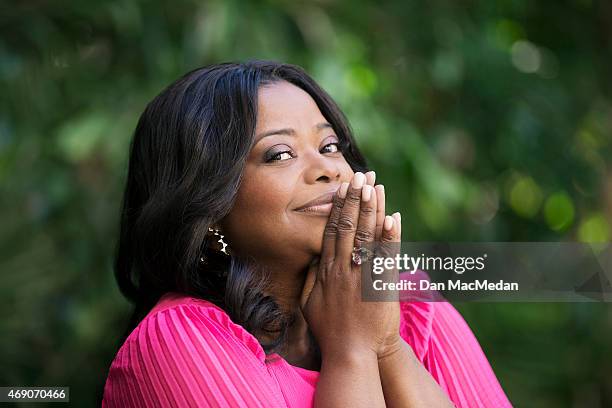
<point>390,229</point>
<point>349,216</point>
<point>391,244</point>
<point>389,241</point>
<point>366,232</point>
<point>398,222</point>
<point>328,250</point>
<point>380,210</point>
<point>366,225</point>
<point>370,178</point>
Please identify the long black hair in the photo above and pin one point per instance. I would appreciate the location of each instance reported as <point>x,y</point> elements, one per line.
<point>186,161</point>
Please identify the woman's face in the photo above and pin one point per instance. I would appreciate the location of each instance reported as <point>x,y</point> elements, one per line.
<point>295,160</point>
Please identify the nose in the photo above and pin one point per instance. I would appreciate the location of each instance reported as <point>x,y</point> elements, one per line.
<point>322,168</point>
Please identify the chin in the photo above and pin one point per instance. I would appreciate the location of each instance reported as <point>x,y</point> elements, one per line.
<point>314,229</point>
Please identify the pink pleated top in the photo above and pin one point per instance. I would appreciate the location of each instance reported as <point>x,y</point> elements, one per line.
<point>187,352</point>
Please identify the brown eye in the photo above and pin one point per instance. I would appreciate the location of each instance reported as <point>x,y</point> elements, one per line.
<point>278,156</point>
<point>334,147</point>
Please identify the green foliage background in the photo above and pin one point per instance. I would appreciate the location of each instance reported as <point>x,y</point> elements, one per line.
<point>486,121</point>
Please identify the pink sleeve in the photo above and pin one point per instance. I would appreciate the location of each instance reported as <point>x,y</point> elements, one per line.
<point>190,355</point>
<point>448,349</point>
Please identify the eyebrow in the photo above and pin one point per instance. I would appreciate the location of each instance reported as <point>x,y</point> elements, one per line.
<point>290,131</point>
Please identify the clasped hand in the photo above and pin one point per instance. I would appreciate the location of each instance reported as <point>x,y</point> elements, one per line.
<point>332,304</point>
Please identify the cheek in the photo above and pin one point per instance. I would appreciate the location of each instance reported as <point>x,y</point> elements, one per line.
<point>262,220</point>
<point>260,213</point>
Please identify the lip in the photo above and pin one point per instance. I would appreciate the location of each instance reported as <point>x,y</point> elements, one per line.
<point>320,205</point>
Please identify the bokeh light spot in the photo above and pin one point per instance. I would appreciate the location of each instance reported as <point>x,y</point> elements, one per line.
<point>559,211</point>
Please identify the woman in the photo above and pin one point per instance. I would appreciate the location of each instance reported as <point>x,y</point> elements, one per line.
<point>245,200</point>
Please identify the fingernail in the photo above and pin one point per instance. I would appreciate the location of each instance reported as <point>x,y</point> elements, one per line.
<point>398,217</point>
<point>358,180</point>
<point>372,174</point>
<point>381,188</point>
<point>343,189</point>
<point>388,223</point>
<point>366,193</point>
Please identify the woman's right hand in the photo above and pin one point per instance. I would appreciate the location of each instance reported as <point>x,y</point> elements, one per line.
<point>332,301</point>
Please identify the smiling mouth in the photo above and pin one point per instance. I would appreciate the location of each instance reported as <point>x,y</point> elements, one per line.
<point>319,209</point>
<point>321,205</point>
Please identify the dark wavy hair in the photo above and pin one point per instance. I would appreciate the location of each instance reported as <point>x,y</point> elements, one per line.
<point>186,161</point>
